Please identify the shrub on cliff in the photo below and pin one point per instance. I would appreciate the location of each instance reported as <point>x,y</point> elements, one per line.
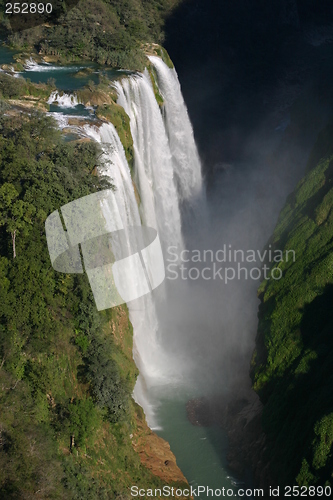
<point>109,389</point>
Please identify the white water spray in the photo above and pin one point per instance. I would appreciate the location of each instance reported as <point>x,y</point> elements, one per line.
<point>63,99</point>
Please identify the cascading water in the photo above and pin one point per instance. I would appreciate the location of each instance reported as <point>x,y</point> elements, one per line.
<point>63,100</point>
<point>183,149</point>
<point>167,164</point>
<point>31,65</point>
<point>185,157</point>
<point>167,173</point>
<point>154,167</point>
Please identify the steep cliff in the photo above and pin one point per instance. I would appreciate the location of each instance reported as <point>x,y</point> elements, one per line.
<point>292,364</point>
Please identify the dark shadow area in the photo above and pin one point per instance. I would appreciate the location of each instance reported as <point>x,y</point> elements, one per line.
<point>242,65</point>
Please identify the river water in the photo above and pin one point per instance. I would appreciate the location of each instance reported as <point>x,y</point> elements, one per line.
<point>200,451</point>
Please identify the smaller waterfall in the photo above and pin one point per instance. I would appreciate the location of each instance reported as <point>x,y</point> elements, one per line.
<point>33,66</point>
<point>63,100</point>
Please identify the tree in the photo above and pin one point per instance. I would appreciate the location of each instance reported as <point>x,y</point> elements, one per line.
<point>15,214</point>
<point>82,419</point>
<point>109,388</point>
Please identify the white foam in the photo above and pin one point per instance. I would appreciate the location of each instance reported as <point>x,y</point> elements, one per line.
<point>63,99</point>
<point>31,65</point>
<point>62,120</point>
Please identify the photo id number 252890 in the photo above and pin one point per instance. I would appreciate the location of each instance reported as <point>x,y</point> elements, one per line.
<point>28,8</point>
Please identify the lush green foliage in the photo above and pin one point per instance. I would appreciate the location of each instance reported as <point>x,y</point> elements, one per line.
<point>107,31</point>
<point>292,364</point>
<point>116,115</point>
<point>81,419</point>
<point>12,88</point>
<point>109,390</point>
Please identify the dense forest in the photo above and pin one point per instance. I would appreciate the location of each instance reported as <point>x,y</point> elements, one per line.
<point>109,32</point>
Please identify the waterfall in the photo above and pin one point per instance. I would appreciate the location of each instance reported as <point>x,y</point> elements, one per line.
<point>63,99</point>
<point>147,355</point>
<point>154,166</point>
<point>167,173</point>
<point>185,157</point>
<point>167,168</point>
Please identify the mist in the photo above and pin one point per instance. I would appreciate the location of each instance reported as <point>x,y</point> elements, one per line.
<point>209,324</point>
<point>244,78</point>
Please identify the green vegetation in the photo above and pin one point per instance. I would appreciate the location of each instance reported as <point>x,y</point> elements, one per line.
<point>117,116</point>
<point>160,51</point>
<point>16,215</point>
<point>292,363</point>
<point>15,88</point>
<point>153,78</point>
<point>109,32</point>
<point>67,373</point>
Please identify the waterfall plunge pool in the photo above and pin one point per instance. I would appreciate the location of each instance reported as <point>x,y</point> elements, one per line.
<point>200,451</point>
